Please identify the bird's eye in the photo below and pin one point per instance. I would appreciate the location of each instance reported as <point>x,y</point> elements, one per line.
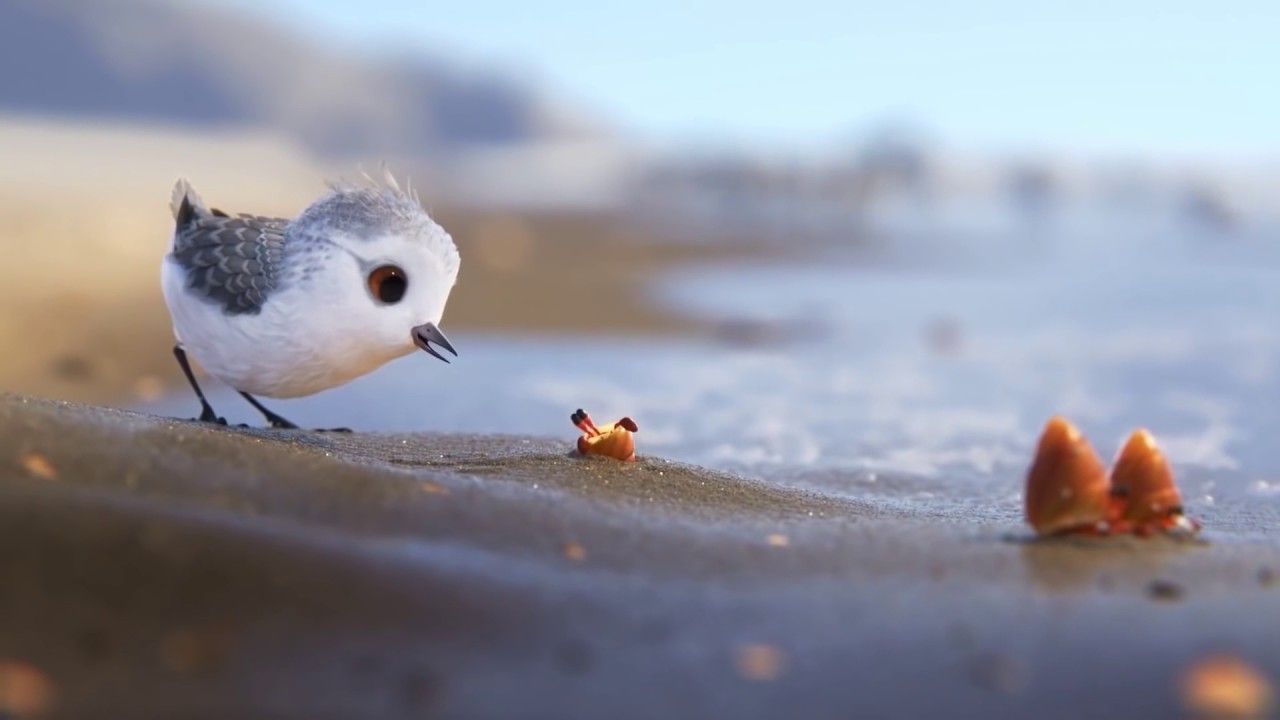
<point>388,284</point>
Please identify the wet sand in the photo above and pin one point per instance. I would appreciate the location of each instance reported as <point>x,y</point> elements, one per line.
<point>155,567</point>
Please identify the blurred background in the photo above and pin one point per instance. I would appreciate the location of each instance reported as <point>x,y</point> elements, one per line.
<point>809,239</point>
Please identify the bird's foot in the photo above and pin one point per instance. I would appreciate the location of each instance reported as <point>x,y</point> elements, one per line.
<point>209,416</point>
<point>279,423</point>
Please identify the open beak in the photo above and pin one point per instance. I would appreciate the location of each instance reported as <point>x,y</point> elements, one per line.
<point>425,334</point>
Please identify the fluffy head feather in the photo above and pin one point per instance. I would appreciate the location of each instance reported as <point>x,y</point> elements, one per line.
<point>364,211</point>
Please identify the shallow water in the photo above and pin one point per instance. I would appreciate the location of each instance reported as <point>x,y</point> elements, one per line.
<point>918,387</point>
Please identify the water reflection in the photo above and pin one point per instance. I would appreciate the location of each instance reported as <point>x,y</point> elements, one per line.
<point>1083,565</point>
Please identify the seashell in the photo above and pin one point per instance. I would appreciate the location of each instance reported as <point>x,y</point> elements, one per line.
<point>1067,485</point>
<point>1143,486</point>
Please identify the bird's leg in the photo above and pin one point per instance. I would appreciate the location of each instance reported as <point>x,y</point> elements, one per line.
<point>278,422</point>
<point>273,419</point>
<point>206,410</point>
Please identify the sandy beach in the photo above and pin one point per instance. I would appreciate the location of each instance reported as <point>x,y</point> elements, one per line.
<point>240,572</point>
<point>867,559</point>
<point>881,294</point>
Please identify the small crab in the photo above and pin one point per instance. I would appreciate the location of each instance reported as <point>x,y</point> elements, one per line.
<point>614,440</point>
<point>1069,491</point>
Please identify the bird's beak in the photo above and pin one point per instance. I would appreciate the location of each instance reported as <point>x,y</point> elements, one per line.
<point>427,333</point>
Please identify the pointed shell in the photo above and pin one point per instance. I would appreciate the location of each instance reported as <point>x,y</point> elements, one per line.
<point>1143,480</point>
<point>1067,486</point>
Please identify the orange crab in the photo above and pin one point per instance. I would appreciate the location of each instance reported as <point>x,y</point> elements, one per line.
<point>614,440</point>
<point>1070,492</point>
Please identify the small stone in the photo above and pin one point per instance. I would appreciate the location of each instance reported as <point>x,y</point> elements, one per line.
<point>777,540</point>
<point>1164,590</point>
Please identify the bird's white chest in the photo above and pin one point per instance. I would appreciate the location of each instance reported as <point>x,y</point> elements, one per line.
<point>295,346</point>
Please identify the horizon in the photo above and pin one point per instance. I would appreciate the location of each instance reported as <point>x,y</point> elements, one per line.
<point>1143,79</point>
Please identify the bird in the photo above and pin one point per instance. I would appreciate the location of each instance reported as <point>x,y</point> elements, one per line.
<point>285,308</point>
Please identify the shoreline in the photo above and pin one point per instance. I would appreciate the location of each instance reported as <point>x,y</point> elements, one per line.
<point>491,572</point>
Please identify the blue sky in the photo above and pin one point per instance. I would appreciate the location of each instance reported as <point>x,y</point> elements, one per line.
<point>1152,75</point>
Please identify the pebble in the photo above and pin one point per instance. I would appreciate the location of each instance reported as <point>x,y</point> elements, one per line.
<point>1164,590</point>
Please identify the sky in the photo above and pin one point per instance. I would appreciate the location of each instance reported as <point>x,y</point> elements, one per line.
<point>1148,75</point>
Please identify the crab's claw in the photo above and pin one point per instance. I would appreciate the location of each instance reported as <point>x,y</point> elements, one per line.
<point>1067,488</point>
<point>1142,483</point>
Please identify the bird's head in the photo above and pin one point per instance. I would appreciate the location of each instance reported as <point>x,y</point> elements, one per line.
<point>399,268</point>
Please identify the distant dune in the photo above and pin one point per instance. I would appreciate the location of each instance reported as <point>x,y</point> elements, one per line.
<point>188,63</point>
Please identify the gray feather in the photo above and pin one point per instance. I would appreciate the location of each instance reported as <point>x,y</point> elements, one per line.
<point>233,261</point>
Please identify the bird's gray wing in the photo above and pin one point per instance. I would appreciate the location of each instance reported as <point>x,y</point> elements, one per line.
<point>232,261</point>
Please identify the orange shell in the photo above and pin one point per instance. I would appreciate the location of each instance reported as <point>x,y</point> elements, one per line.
<point>614,441</point>
<point>1067,486</point>
<point>1143,480</point>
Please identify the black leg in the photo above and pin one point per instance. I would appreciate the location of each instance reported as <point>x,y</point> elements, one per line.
<point>278,422</point>
<point>273,419</point>
<point>206,411</point>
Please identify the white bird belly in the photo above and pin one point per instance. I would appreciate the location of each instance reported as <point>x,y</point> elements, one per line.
<point>286,350</point>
